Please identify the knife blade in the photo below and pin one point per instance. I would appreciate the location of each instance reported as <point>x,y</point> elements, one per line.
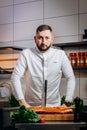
<point>45,93</point>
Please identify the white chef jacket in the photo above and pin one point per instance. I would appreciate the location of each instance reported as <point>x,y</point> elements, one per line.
<point>38,67</point>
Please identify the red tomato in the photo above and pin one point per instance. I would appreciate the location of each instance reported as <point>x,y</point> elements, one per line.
<point>42,120</point>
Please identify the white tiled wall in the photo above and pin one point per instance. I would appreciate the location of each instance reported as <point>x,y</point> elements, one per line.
<point>6,33</point>
<point>20,18</point>
<point>23,1</point>
<point>82,6</point>
<point>25,30</point>
<point>83,22</point>
<point>28,11</point>
<point>4,3</point>
<point>6,14</point>
<point>67,18</point>
<point>62,26</point>
<point>56,8</point>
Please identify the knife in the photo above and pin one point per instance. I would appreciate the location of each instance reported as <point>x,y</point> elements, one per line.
<point>45,92</point>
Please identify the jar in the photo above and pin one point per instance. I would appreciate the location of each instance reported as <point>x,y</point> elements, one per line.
<point>73,59</point>
<point>85,58</point>
<point>81,59</point>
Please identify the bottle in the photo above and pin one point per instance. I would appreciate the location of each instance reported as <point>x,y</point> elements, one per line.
<point>81,59</point>
<point>73,59</point>
<point>77,110</point>
<point>85,58</point>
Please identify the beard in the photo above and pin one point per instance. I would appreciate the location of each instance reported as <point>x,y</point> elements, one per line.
<point>41,48</point>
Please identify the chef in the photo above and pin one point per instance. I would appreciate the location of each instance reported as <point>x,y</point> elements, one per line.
<point>42,67</point>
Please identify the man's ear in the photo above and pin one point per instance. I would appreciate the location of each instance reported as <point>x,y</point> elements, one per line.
<point>35,38</point>
<point>52,38</point>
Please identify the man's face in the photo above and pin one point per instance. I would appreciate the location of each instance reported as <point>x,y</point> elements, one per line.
<point>43,40</point>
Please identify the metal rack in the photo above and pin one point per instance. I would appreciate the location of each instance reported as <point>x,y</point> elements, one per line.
<point>82,44</point>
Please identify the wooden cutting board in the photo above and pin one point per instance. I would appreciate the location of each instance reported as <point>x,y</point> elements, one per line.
<point>58,117</point>
<point>55,113</point>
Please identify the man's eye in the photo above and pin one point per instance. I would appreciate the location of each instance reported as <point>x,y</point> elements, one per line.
<point>47,38</point>
<point>39,37</point>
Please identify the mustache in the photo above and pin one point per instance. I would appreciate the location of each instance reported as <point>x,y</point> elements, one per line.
<point>43,49</point>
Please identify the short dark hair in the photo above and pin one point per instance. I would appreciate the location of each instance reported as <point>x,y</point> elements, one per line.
<point>43,27</point>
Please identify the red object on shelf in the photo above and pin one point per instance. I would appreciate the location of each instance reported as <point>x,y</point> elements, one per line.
<point>81,59</point>
<point>85,58</point>
<point>73,59</point>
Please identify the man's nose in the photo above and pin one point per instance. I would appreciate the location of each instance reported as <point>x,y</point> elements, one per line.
<point>43,40</point>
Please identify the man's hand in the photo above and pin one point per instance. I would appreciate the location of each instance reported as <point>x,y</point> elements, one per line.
<point>67,103</point>
<point>23,102</point>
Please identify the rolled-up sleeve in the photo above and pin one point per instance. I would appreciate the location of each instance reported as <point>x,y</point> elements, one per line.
<point>69,74</point>
<point>16,76</point>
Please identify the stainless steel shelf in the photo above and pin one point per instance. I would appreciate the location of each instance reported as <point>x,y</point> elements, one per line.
<point>80,68</point>
<point>71,44</point>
